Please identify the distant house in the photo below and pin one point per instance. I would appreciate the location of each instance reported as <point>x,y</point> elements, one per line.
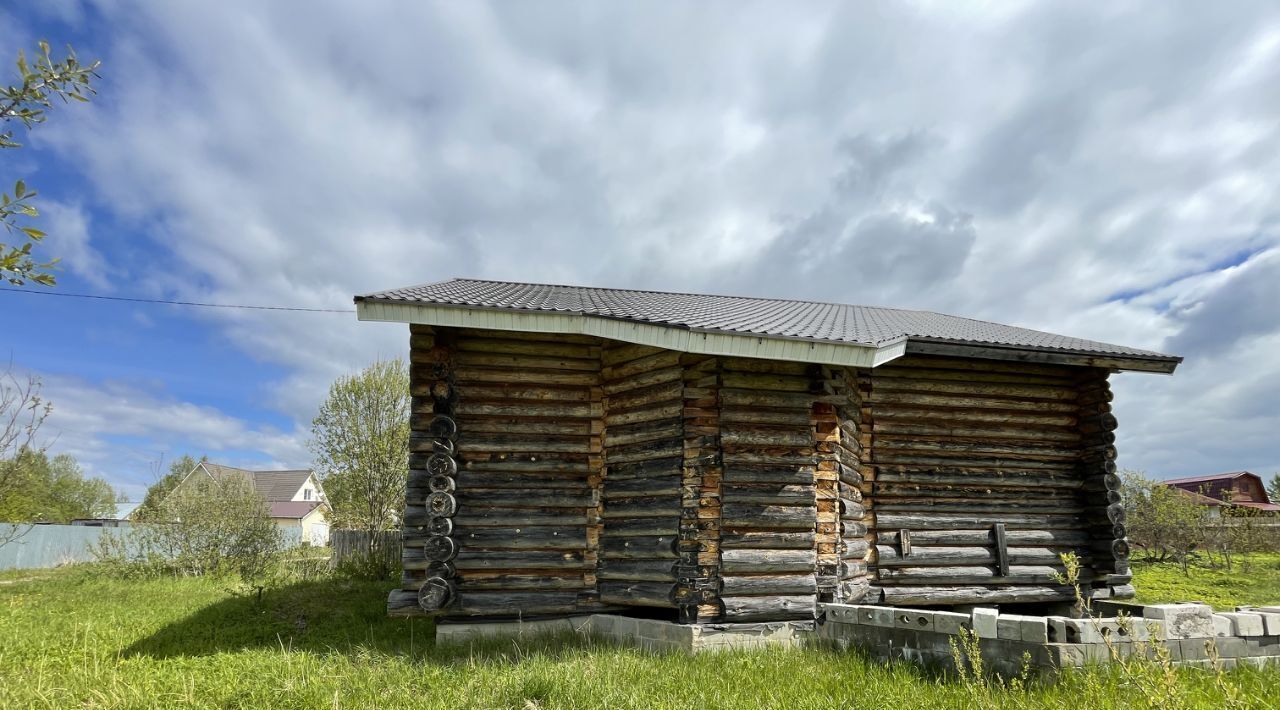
<point>296,499</point>
<point>1237,488</point>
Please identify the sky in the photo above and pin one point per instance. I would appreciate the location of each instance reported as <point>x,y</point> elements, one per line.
<point>1107,171</point>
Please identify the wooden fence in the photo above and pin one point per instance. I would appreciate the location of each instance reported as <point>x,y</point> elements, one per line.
<point>361,547</point>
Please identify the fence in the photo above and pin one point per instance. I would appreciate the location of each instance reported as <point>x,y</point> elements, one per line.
<point>380,548</point>
<point>33,546</point>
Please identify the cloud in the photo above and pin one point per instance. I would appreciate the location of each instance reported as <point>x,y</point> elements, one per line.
<point>68,228</point>
<point>1023,166</point>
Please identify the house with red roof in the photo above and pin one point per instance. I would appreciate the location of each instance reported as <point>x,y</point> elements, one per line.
<point>1233,489</point>
<point>295,498</point>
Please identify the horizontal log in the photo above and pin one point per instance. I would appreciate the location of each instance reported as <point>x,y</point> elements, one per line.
<point>758,561</point>
<point>649,507</point>
<point>480,375</point>
<point>661,449</point>
<point>665,392</point>
<point>665,360</point>
<point>998,506</point>
<point>657,594</point>
<point>616,354</point>
<point>976,402</point>
<point>466,358</point>
<point>519,582</point>
<point>656,412</point>
<point>404,603</point>
<point>481,560</point>
<point>522,392</point>
<point>648,468</point>
<point>645,431</point>
<point>938,556</point>
<point>467,408</point>
<point>731,538</point>
<point>933,521</point>
<point>960,460</point>
<point>755,415</point>
<point>753,585</point>
<point>945,596</point>
<point>627,527</point>
<point>908,414</point>
<point>983,365</point>
<point>528,499</point>
<point>614,388</point>
<point>759,398</point>
<point>768,367</point>
<point>961,432</point>
<point>998,479</point>
<point>1013,538</point>
<point>533,480</point>
<point>769,608</point>
<point>768,494</point>
<point>972,389</point>
<point>513,604</point>
<point>639,548</point>
<point>1046,451</point>
<point>925,373</point>
<point>542,349</point>
<point>638,570</point>
<point>769,474</point>
<point>517,463</point>
<point>504,517</point>
<point>769,382</point>
<point>734,456</point>
<point>940,492</point>
<point>741,515</point>
<point>523,538</point>
<point>731,434</point>
<point>639,487</point>
<point>530,426</point>
<point>1018,574</point>
<point>516,443</point>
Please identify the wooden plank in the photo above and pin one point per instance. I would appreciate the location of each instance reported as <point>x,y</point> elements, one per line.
<point>465,359</point>
<point>985,574</point>
<point>510,346</point>
<point>733,538</point>
<point>747,515</point>
<point>757,561</point>
<point>522,538</point>
<point>937,556</point>
<point>772,585</point>
<point>769,608</point>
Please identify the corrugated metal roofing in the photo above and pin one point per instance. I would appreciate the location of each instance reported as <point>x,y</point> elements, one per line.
<point>273,486</point>
<point>296,509</point>
<point>826,322</point>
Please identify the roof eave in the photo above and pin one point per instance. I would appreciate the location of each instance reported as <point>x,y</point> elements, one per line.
<point>1162,364</point>
<point>689,340</point>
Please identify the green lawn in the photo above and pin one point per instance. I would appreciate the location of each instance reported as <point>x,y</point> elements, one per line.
<point>71,638</point>
<point>1259,585</point>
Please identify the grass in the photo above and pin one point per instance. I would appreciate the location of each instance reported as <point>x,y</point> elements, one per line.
<point>1259,585</point>
<point>71,637</point>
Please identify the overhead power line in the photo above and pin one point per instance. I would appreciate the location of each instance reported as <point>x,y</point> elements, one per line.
<point>194,304</point>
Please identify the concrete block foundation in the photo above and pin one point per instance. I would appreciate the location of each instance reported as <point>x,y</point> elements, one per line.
<point>1191,634</point>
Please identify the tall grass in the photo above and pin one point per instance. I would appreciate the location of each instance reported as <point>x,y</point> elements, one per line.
<point>73,638</point>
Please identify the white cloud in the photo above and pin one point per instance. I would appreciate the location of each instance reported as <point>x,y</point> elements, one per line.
<point>1026,166</point>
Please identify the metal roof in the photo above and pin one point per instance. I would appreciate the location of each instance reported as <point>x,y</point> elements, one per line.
<point>868,327</point>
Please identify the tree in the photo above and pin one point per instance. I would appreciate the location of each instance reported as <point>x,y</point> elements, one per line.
<point>157,492</point>
<point>1273,488</point>
<point>53,490</point>
<point>22,411</point>
<point>1162,520</point>
<point>361,442</point>
<point>27,103</point>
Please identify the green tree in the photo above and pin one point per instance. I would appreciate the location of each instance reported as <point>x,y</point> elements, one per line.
<point>53,490</point>
<point>1273,488</point>
<point>361,442</point>
<point>27,102</point>
<point>1162,520</point>
<point>157,492</point>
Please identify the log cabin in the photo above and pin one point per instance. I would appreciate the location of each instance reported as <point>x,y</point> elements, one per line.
<point>716,459</point>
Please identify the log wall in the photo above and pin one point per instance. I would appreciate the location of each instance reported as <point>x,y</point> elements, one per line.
<point>643,444</point>
<point>980,475</point>
<point>562,474</point>
<point>769,543</point>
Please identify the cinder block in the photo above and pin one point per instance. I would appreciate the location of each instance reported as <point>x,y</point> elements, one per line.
<point>949,622</point>
<point>1244,623</point>
<point>1231,647</point>
<point>1269,609</point>
<point>1056,629</point>
<point>916,620</point>
<point>1082,631</point>
<point>983,622</point>
<point>1182,621</point>
<point>1034,629</point>
<point>1270,623</point>
<point>876,616</point>
<point>1221,625</point>
<point>1195,649</point>
<point>1008,627</point>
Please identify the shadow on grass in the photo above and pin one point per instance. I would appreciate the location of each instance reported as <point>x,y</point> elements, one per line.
<point>334,616</point>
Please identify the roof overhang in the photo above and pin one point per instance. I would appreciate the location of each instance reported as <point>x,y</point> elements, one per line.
<point>716,342</point>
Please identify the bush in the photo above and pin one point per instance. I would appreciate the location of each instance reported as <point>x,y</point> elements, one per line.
<point>205,527</point>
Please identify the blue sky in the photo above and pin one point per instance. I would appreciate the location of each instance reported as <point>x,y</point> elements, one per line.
<point>1105,173</point>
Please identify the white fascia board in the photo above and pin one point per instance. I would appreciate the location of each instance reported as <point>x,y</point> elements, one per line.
<point>669,338</point>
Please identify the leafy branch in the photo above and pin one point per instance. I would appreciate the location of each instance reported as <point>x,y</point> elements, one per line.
<point>28,102</point>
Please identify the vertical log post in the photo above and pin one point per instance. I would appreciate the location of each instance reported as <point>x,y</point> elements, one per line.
<point>1110,548</point>
<point>698,567</point>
